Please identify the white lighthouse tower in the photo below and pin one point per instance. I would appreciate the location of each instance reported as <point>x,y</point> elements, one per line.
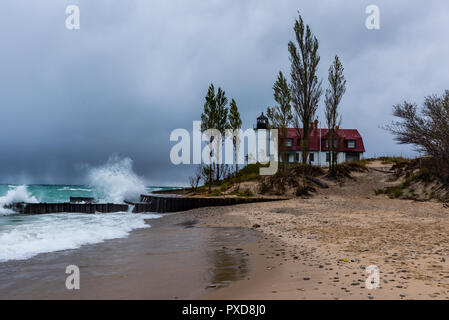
<point>262,140</point>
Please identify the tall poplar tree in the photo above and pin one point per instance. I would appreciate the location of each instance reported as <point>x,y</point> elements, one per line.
<point>208,121</point>
<point>305,86</point>
<point>334,94</point>
<point>281,116</point>
<point>235,123</point>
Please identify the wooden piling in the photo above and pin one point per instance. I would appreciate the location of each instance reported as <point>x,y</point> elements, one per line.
<point>149,203</point>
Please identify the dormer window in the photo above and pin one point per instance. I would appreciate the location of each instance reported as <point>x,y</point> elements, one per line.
<point>288,142</point>
<point>351,144</point>
<point>335,143</point>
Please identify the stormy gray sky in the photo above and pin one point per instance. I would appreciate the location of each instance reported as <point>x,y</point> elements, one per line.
<point>138,69</point>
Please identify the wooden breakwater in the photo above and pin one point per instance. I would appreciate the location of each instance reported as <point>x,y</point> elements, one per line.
<point>81,200</point>
<point>176,203</point>
<point>44,208</point>
<point>149,203</point>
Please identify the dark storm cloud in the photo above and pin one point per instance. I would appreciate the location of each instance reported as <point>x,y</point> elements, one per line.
<point>136,70</point>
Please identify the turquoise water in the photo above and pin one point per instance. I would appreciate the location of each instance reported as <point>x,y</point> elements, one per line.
<point>25,236</point>
<point>52,193</point>
<point>62,193</point>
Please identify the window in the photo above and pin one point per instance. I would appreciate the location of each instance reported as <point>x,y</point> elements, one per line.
<point>291,157</point>
<point>352,156</point>
<point>297,157</point>
<point>351,144</point>
<point>312,157</point>
<point>288,142</point>
<point>328,158</point>
<point>335,144</point>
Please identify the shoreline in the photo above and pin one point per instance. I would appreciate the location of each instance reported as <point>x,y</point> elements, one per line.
<point>303,248</point>
<point>174,259</point>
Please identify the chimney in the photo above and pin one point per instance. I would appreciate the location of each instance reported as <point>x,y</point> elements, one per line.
<point>316,124</point>
<point>337,127</point>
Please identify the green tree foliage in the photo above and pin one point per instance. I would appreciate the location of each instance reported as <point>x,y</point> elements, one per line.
<point>215,116</point>
<point>221,125</point>
<point>334,94</point>
<point>235,123</point>
<point>305,86</point>
<point>208,121</point>
<point>427,128</point>
<point>281,116</point>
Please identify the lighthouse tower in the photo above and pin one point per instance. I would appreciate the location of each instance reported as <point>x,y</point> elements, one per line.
<point>263,140</point>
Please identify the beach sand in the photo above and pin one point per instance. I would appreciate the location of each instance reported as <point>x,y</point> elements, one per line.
<point>303,248</point>
<point>319,248</point>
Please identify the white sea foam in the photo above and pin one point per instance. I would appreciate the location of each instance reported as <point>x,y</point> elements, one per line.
<point>15,194</point>
<point>74,189</point>
<point>56,232</point>
<point>115,181</point>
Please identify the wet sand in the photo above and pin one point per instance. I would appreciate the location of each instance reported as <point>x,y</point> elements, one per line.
<point>320,247</point>
<point>175,259</point>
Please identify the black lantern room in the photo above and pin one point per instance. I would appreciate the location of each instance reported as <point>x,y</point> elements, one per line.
<point>262,122</point>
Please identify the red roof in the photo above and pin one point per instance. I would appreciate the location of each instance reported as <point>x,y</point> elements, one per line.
<point>314,140</point>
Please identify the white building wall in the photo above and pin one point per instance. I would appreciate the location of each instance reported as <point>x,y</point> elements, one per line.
<point>263,146</point>
<point>319,158</point>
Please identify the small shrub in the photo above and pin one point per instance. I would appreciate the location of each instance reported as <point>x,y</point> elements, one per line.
<point>379,191</point>
<point>264,187</point>
<point>215,193</point>
<point>391,192</point>
<point>251,170</point>
<point>303,190</point>
<point>245,193</point>
<point>305,169</point>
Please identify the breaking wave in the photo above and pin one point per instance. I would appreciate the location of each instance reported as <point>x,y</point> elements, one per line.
<point>56,232</point>
<point>116,181</point>
<point>15,194</point>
